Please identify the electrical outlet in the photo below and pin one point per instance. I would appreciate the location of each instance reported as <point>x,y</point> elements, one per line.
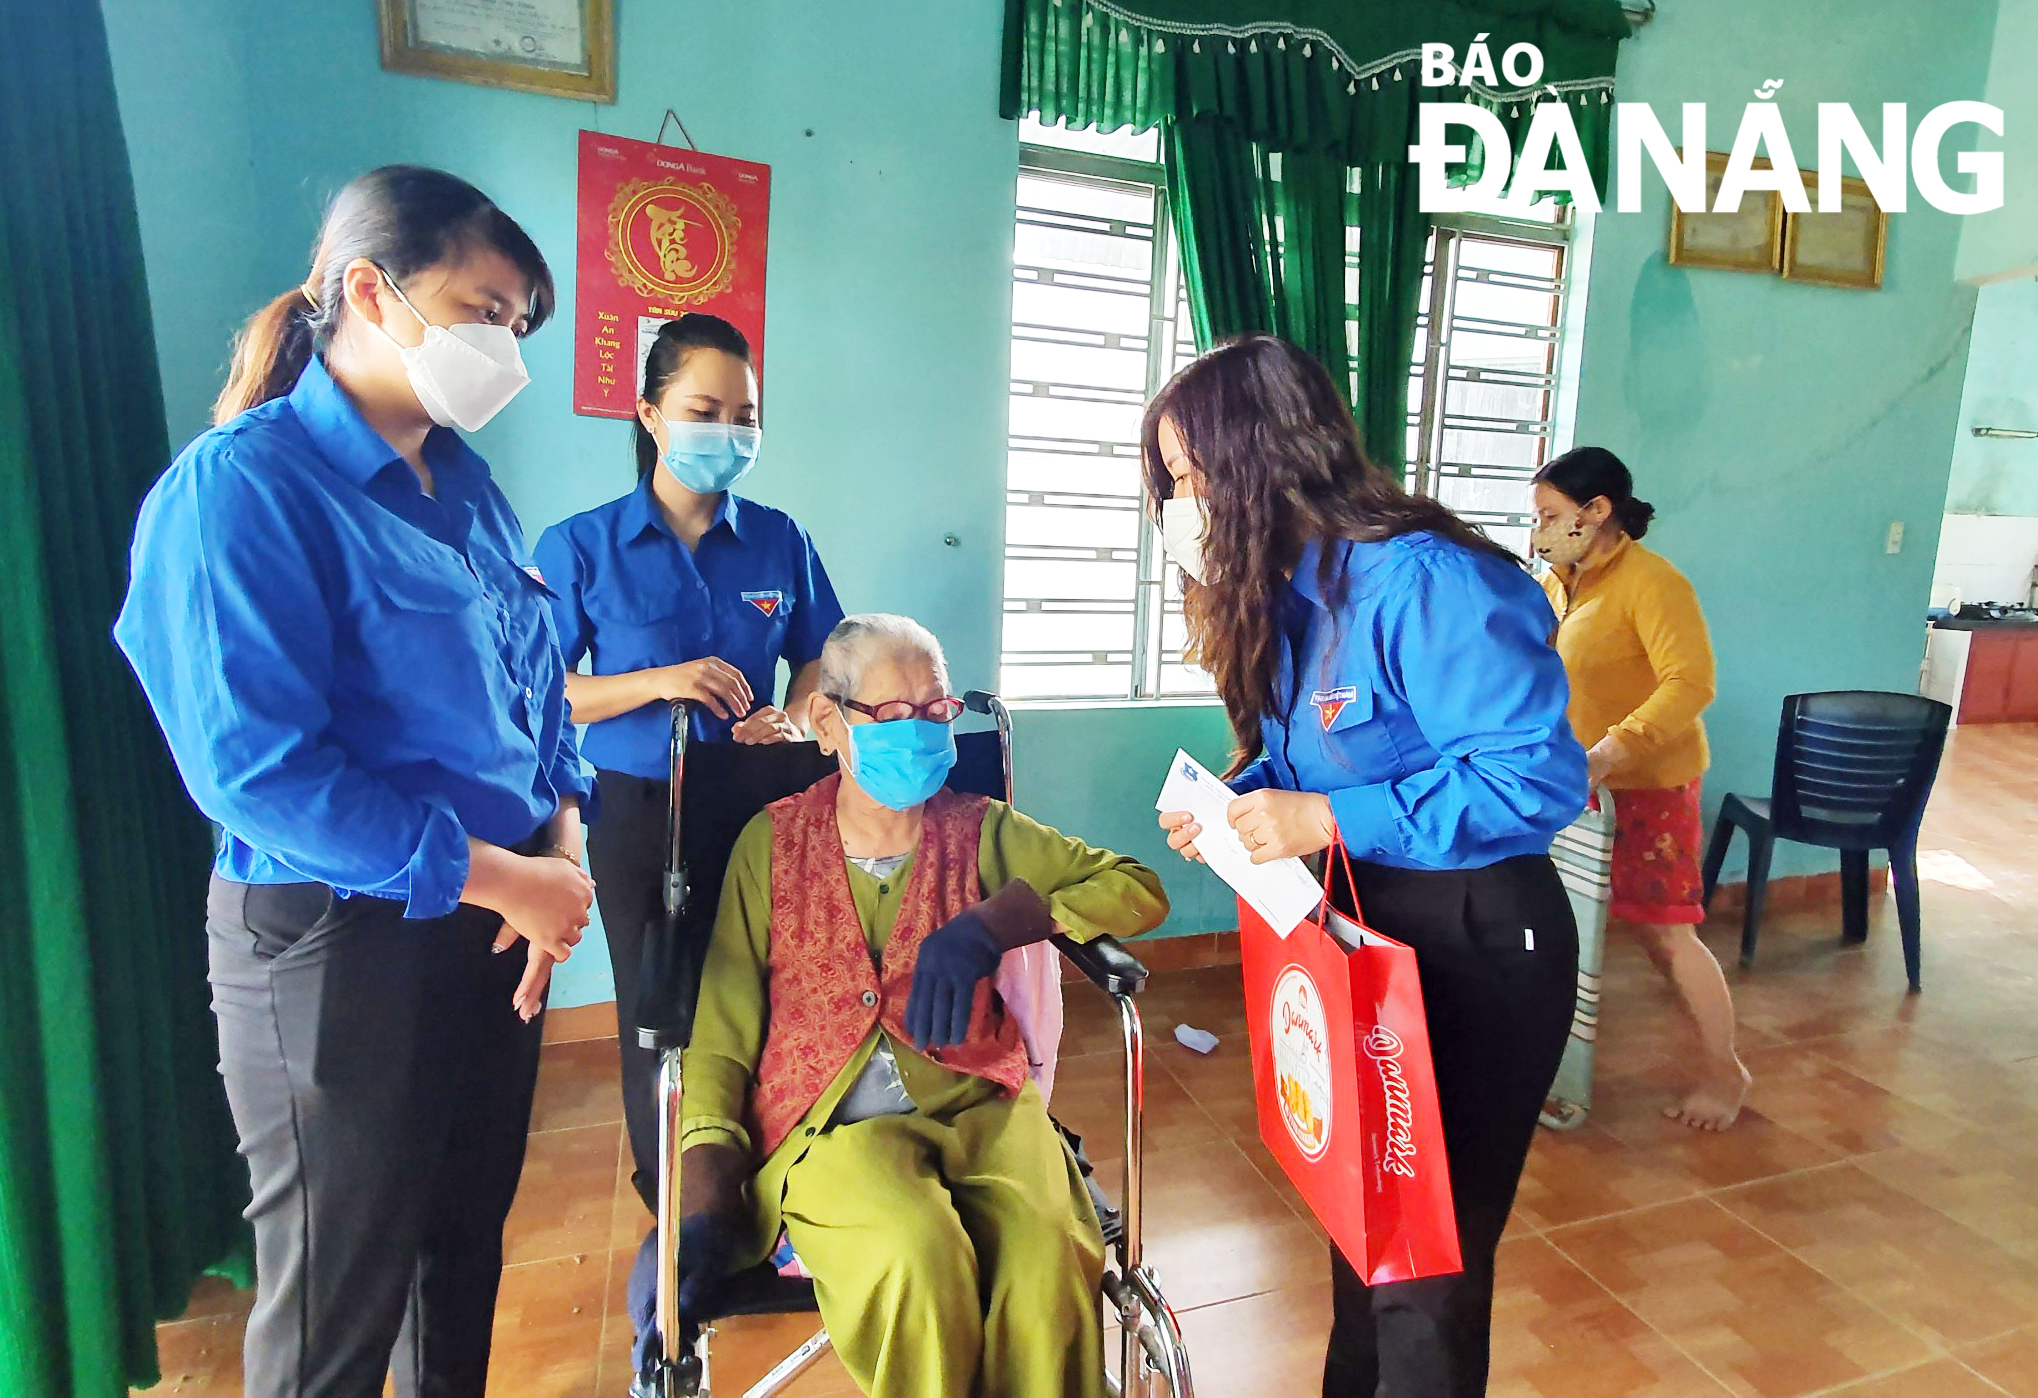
<point>1895,542</point>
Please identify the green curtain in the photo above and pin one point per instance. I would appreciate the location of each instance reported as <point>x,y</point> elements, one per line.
<point>1298,74</point>
<point>1393,236</point>
<point>118,1179</point>
<point>1262,238</point>
<point>1265,251</point>
<point>1328,93</point>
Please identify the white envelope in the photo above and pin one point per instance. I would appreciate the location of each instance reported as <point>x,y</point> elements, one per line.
<point>1282,892</point>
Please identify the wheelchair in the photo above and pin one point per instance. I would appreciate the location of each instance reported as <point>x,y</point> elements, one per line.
<point>716,789</point>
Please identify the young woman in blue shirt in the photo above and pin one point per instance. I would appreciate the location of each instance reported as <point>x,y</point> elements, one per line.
<point>678,590</point>
<point>1388,673</point>
<point>331,613</point>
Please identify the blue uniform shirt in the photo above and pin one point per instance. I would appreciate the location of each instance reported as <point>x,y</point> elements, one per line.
<point>1429,707</point>
<point>353,676</point>
<point>632,597</point>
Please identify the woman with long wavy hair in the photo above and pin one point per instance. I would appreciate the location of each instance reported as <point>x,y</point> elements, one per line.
<point>1388,674</point>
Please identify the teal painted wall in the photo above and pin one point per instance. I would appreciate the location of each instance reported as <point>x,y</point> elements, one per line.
<point>181,74</point>
<point>1780,428</point>
<point>1995,476</point>
<point>1095,773</point>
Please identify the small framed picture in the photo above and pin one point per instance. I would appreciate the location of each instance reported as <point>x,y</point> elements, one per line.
<point>1749,240</point>
<point>560,48</point>
<point>1843,248</point>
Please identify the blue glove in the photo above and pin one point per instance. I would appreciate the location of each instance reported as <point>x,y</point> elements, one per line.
<point>707,1244</point>
<point>954,960</point>
<point>712,1216</point>
<point>957,956</point>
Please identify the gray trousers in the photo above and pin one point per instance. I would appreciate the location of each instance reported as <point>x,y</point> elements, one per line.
<point>381,1086</point>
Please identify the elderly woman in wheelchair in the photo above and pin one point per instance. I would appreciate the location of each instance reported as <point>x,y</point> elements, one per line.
<point>854,1079</point>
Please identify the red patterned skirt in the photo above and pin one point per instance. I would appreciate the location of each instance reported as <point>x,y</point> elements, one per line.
<point>1657,839</point>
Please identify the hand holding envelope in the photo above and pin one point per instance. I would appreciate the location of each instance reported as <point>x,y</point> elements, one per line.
<point>1281,891</point>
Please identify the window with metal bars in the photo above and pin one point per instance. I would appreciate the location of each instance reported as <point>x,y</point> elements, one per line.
<point>1482,394</point>
<point>1092,606</point>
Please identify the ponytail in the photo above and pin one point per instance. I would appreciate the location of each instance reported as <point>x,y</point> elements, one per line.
<point>402,218</point>
<point>272,349</point>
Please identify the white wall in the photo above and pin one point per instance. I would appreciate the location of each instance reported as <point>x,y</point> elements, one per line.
<point>2004,242</point>
<point>1987,558</point>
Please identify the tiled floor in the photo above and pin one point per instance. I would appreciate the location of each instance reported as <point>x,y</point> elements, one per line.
<point>1870,1229</point>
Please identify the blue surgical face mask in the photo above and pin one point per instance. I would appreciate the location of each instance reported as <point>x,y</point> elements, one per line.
<point>709,457</point>
<point>901,764</point>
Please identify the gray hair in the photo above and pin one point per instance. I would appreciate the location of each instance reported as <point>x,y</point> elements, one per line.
<point>858,642</point>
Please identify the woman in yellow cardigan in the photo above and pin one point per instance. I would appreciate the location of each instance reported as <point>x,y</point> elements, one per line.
<point>1641,668</point>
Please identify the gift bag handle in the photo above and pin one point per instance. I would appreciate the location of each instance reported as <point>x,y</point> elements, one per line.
<point>1323,909</point>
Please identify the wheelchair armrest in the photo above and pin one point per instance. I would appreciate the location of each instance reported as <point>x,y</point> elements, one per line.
<point>1109,966</point>
<point>667,983</point>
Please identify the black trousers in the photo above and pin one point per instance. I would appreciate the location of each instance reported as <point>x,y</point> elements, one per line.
<point>626,854</point>
<point>381,1086</point>
<point>1498,954</point>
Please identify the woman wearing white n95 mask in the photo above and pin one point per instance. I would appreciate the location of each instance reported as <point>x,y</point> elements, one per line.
<point>1389,678</point>
<point>679,590</point>
<point>331,613</point>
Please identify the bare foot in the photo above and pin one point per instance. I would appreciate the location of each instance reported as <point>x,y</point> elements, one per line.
<point>1715,1103</point>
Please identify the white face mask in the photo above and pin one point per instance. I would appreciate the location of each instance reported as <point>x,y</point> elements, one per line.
<point>463,374</point>
<point>1184,526</point>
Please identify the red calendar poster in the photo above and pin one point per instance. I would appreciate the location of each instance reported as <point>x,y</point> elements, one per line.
<point>662,231</point>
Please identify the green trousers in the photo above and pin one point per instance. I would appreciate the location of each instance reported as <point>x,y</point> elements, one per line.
<point>955,1258</point>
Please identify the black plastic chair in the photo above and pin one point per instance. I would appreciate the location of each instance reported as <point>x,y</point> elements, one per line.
<point>1853,771</point>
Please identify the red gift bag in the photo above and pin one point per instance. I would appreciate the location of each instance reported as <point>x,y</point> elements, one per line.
<point>1347,1098</point>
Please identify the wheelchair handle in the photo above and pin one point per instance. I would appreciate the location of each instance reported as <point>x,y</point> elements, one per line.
<point>675,863</point>
<point>984,702</point>
<point>665,975</point>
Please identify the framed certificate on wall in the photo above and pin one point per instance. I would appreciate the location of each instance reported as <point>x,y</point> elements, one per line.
<point>1749,240</point>
<point>1842,248</point>
<point>560,48</point>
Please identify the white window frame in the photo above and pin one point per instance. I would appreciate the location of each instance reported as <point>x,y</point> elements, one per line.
<point>1148,657</point>
<point>1428,468</point>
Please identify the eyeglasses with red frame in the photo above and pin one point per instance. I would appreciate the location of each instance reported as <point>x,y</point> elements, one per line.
<point>945,710</point>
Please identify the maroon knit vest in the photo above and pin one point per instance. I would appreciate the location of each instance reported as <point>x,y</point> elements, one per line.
<point>823,994</point>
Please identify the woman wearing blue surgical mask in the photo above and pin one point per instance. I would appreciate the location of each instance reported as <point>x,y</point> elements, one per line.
<point>331,613</point>
<point>680,589</point>
<point>853,1076</point>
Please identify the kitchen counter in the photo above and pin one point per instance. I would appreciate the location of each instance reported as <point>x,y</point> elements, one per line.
<point>1987,669</point>
<point>2007,623</point>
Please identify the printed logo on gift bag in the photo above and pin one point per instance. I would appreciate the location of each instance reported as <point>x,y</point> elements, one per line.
<point>1397,1147</point>
<point>1302,1060</point>
<point>1335,1017</point>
